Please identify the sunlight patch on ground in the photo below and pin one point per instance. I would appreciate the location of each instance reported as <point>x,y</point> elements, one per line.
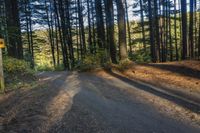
<point>49,78</point>
<point>63,101</point>
<point>161,104</point>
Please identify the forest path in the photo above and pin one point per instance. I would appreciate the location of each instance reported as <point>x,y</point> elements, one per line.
<point>71,102</point>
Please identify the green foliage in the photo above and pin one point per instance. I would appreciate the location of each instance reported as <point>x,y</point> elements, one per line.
<point>44,67</point>
<point>47,67</point>
<point>59,68</point>
<point>13,66</point>
<point>141,56</point>
<point>92,61</point>
<point>88,63</point>
<point>18,73</point>
<point>42,50</point>
<point>125,64</point>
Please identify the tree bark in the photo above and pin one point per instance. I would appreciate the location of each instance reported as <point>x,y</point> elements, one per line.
<point>122,30</point>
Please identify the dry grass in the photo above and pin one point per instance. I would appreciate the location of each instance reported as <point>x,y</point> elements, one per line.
<point>184,74</point>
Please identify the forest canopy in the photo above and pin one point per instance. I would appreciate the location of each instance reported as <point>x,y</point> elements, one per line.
<point>68,34</point>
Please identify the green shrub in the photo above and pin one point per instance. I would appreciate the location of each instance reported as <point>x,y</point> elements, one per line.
<point>48,67</point>
<point>141,56</point>
<point>45,67</point>
<point>17,73</point>
<point>59,67</point>
<point>92,61</point>
<point>125,64</point>
<point>13,66</point>
<point>88,63</point>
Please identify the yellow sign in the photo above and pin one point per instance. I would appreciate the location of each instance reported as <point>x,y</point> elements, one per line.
<point>2,43</point>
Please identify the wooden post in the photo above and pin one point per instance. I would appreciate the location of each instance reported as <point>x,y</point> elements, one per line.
<point>2,84</point>
<point>1,72</point>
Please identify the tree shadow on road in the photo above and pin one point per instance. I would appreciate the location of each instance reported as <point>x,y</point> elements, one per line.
<point>28,110</point>
<point>106,107</point>
<point>176,97</point>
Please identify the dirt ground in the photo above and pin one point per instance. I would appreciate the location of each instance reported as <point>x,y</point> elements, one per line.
<point>182,78</point>
<point>104,102</point>
<point>184,74</point>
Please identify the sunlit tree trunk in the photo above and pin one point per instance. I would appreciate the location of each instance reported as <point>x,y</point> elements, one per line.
<point>122,30</point>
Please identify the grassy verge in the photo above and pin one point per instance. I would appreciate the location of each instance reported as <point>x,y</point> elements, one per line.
<point>17,74</point>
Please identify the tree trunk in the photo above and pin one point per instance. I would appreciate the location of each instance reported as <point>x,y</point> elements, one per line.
<point>184,28</point>
<point>15,48</point>
<point>100,24</point>
<point>89,28</point>
<point>191,24</point>
<point>152,42</point>
<point>142,25</point>
<point>175,31</point>
<point>122,30</point>
<point>110,30</point>
<point>128,27</point>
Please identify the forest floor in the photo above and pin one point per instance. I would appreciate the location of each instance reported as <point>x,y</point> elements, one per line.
<point>180,78</point>
<point>107,102</point>
<point>183,74</point>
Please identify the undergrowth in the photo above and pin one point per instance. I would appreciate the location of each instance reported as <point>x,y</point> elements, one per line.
<point>92,61</point>
<point>17,73</point>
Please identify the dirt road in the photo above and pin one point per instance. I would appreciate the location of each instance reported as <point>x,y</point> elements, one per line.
<point>71,102</point>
